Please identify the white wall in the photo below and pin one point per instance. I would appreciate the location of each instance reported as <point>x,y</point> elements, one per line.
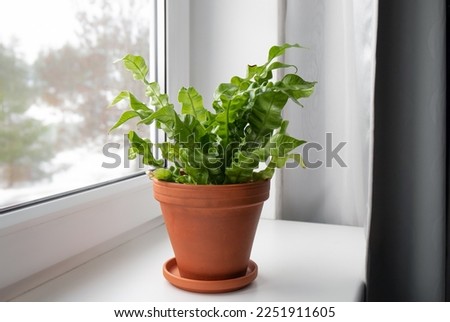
<point>225,36</point>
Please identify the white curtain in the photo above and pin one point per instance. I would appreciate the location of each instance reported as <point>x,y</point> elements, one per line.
<point>340,36</point>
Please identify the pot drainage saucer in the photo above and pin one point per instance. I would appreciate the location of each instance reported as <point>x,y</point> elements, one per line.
<point>172,274</point>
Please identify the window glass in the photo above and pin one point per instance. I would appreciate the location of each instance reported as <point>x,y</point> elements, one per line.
<point>57,78</point>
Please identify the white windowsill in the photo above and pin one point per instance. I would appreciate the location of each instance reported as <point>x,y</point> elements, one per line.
<point>297,262</point>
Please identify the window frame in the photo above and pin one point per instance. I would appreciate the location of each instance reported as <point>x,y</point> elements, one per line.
<point>40,235</point>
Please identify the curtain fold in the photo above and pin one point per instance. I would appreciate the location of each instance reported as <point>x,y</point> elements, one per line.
<point>340,38</point>
<point>406,251</point>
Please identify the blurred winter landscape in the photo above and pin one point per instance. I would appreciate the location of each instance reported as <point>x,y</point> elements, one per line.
<point>57,78</point>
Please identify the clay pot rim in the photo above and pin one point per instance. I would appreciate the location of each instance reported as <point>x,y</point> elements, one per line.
<point>209,186</point>
<point>211,196</point>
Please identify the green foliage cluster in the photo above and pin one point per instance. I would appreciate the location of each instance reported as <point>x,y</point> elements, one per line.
<point>224,146</point>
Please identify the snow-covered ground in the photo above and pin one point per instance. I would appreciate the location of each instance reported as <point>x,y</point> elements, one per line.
<point>78,168</point>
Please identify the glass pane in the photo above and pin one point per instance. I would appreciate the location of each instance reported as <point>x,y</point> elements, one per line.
<point>57,78</point>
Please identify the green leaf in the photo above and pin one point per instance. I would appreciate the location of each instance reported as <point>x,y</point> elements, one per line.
<point>264,72</point>
<point>120,97</point>
<point>266,113</point>
<point>269,171</point>
<point>157,99</point>
<point>283,127</point>
<point>162,174</point>
<point>228,89</point>
<point>296,87</point>
<point>135,104</point>
<point>265,174</point>
<point>192,127</point>
<point>199,175</point>
<point>133,153</point>
<point>192,103</point>
<point>138,109</point>
<point>193,166</point>
<point>242,84</point>
<point>144,148</point>
<point>166,116</point>
<point>254,70</point>
<point>278,152</point>
<point>180,130</point>
<point>127,115</point>
<point>229,111</point>
<point>281,144</point>
<point>242,167</point>
<point>278,65</point>
<point>276,51</point>
<point>136,65</point>
<point>170,152</point>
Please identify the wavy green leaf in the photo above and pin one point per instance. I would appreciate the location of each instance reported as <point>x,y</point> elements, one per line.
<point>183,131</point>
<point>253,70</point>
<point>241,169</point>
<point>227,89</point>
<point>265,174</point>
<point>127,115</point>
<point>229,111</point>
<point>120,97</point>
<point>192,103</point>
<point>296,87</point>
<point>266,113</point>
<point>158,99</point>
<point>136,65</point>
<point>276,51</point>
<point>144,148</point>
<point>162,174</point>
<point>135,103</point>
<point>277,65</point>
<point>280,145</point>
<point>166,117</point>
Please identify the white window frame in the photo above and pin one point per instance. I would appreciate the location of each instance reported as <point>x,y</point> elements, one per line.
<point>44,240</point>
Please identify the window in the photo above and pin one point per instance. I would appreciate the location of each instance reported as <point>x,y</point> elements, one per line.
<point>57,78</point>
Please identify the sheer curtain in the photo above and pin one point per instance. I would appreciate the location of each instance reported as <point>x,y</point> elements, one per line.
<point>340,37</point>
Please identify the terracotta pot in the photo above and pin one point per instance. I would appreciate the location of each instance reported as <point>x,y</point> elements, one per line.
<point>211,227</point>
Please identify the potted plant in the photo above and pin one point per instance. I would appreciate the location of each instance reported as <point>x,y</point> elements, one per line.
<point>213,177</point>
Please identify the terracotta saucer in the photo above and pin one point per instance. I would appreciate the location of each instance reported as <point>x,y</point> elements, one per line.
<point>171,273</point>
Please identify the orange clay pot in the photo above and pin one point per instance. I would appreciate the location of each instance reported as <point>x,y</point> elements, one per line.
<point>211,227</point>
